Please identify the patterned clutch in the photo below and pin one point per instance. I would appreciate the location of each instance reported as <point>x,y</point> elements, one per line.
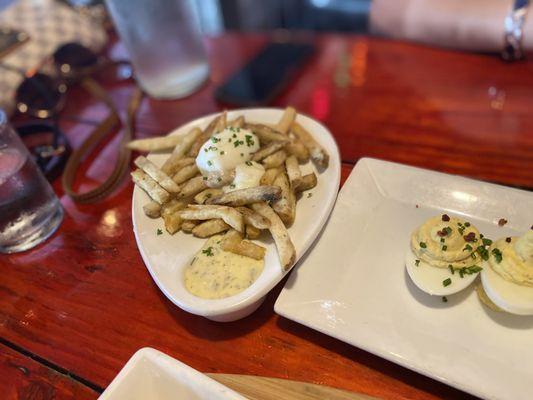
<point>49,24</point>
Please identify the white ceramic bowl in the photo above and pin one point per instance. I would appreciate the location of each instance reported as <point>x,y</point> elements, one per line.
<point>167,256</point>
<point>150,374</point>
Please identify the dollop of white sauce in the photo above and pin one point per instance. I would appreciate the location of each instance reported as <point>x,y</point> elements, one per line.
<point>247,175</point>
<point>219,155</point>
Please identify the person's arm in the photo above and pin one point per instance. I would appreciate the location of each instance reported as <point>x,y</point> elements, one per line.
<point>476,25</point>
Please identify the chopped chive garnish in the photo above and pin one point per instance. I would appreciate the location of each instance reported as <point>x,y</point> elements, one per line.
<point>451,268</point>
<point>442,240</point>
<point>462,272</point>
<point>209,162</point>
<point>467,224</point>
<point>497,255</point>
<point>159,231</point>
<point>222,152</point>
<point>417,262</point>
<point>447,282</point>
<point>423,245</point>
<point>444,299</point>
<point>249,140</point>
<point>483,252</point>
<point>486,242</point>
<point>444,248</point>
<point>208,252</point>
<point>467,248</point>
<point>249,163</point>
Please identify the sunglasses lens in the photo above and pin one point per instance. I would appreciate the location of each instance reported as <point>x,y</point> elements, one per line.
<point>39,95</point>
<point>74,56</point>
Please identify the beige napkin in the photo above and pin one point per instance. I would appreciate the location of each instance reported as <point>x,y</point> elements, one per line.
<point>476,25</point>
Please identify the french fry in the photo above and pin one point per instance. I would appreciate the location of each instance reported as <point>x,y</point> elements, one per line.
<point>318,154</point>
<point>210,228</point>
<point>293,169</point>
<point>155,143</point>
<point>296,148</point>
<point>269,175</point>
<point>242,197</point>
<point>216,125</point>
<point>172,207</point>
<point>254,219</point>
<point>185,173</point>
<point>188,225</point>
<point>152,209</point>
<point>169,213</point>
<point>267,150</point>
<point>183,147</point>
<point>202,197</point>
<point>151,187</point>
<point>176,164</point>
<point>171,164</point>
<point>265,133</point>
<point>172,223</point>
<point>192,187</point>
<point>156,174</point>
<point>286,250</point>
<point>202,212</point>
<point>221,123</point>
<point>275,160</point>
<point>251,232</point>
<point>306,182</point>
<point>237,122</point>
<point>285,207</point>
<point>286,120</point>
<point>232,242</point>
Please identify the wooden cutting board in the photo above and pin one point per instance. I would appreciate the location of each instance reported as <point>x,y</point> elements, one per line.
<point>261,388</point>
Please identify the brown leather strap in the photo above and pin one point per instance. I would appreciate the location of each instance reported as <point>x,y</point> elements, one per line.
<point>102,130</point>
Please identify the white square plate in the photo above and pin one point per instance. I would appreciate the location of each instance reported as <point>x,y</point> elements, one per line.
<point>352,284</point>
<point>150,374</point>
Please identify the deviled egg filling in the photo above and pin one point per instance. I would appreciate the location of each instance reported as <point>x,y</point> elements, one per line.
<point>512,259</point>
<point>443,241</point>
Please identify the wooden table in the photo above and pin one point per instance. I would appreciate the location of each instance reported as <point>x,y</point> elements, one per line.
<point>73,310</point>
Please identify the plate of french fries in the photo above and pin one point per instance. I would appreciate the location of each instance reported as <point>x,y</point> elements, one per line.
<point>180,200</point>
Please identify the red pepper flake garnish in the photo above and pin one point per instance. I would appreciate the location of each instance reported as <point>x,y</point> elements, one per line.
<point>442,233</point>
<point>502,221</point>
<point>470,237</point>
<point>445,217</point>
<point>508,240</point>
<point>416,205</point>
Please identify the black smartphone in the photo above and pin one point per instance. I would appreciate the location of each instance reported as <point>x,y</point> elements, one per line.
<point>265,75</point>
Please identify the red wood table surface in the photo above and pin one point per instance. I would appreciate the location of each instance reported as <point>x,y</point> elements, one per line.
<point>73,310</point>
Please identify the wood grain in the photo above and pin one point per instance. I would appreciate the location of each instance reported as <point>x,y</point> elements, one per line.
<point>22,378</point>
<point>84,300</point>
<point>261,388</point>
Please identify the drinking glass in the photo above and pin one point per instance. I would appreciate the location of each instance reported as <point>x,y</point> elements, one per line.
<point>29,210</point>
<point>165,44</point>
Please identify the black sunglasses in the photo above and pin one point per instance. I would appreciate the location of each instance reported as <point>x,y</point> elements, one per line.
<point>43,96</point>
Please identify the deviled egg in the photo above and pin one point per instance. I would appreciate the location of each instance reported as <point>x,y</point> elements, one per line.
<point>445,255</point>
<point>508,279</point>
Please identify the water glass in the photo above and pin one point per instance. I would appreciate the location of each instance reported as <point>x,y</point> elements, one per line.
<point>165,44</point>
<point>29,210</point>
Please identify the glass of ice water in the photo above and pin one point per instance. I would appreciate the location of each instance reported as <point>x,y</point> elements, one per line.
<point>29,210</point>
<point>165,44</point>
